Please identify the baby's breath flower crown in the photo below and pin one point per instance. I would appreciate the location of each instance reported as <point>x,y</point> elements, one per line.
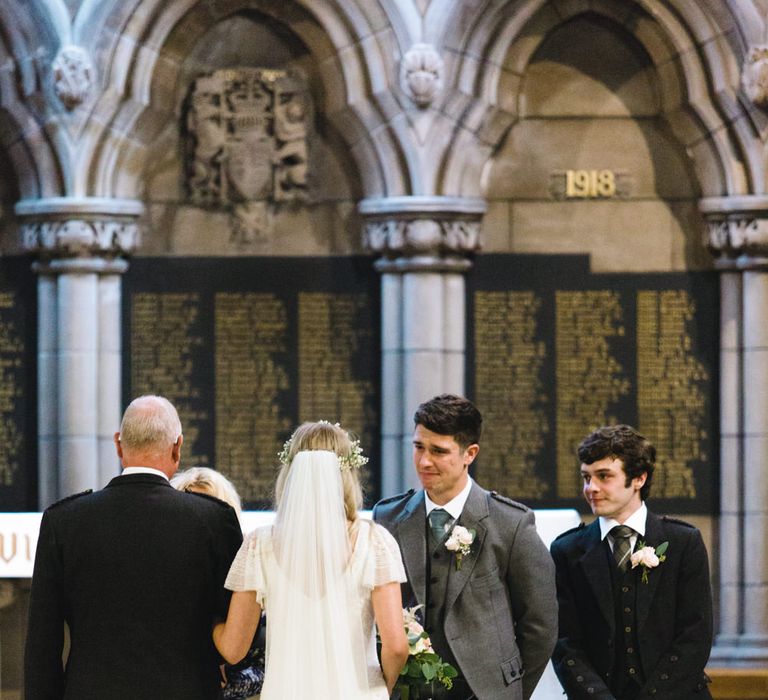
<point>354,460</point>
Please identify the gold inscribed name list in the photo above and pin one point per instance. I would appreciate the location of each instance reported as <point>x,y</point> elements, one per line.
<point>163,343</point>
<point>329,339</point>
<point>589,379</point>
<point>508,388</point>
<point>11,364</point>
<point>671,401</point>
<point>251,345</point>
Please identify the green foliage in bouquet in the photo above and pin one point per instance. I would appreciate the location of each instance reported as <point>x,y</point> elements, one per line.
<point>424,668</point>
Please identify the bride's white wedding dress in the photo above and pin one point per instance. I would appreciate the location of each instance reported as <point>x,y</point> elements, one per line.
<point>320,624</point>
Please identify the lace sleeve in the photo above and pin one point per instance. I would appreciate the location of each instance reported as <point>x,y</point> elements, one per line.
<point>385,563</point>
<point>248,570</point>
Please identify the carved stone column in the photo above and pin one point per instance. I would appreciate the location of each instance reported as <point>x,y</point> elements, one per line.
<point>737,235</point>
<point>425,244</point>
<point>80,244</point>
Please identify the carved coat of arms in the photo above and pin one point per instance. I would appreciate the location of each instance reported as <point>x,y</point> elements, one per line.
<point>247,144</point>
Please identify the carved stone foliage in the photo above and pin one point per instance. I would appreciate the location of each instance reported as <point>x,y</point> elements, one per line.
<point>246,144</point>
<point>81,237</point>
<point>754,77</point>
<point>73,75</point>
<point>422,70</point>
<point>411,237</point>
<point>736,236</point>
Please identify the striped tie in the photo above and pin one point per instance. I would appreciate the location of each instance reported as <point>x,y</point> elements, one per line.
<point>621,545</point>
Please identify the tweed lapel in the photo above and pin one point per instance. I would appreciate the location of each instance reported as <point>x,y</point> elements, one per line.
<point>595,566</point>
<point>411,534</point>
<point>654,536</point>
<point>474,512</point>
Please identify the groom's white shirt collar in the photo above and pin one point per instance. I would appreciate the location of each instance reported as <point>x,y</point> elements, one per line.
<point>636,521</point>
<point>455,505</point>
<point>144,470</point>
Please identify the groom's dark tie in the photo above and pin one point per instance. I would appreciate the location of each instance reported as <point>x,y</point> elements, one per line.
<point>621,545</point>
<point>437,521</point>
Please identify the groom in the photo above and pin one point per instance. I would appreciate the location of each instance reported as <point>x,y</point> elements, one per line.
<point>490,611</point>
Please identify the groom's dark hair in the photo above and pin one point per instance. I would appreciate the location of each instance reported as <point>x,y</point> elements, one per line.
<point>453,415</point>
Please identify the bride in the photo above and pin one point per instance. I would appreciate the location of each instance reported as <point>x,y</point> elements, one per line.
<point>323,574</point>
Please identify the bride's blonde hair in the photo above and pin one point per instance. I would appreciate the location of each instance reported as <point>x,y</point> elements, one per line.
<point>333,438</point>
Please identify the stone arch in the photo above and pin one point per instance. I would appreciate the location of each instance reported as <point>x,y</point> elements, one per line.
<point>348,44</point>
<point>25,40</point>
<point>696,56</point>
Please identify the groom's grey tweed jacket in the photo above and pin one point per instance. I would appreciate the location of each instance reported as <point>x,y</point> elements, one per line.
<point>500,617</point>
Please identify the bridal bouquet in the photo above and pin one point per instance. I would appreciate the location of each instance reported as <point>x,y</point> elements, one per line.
<point>424,668</point>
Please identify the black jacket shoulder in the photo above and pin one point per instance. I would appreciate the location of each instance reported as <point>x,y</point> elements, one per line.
<point>212,499</point>
<point>677,521</point>
<point>580,526</point>
<point>68,499</point>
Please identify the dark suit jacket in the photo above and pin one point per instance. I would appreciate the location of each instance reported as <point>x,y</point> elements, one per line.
<point>673,615</point>
<point>500,608</point>
<point>136,570</point>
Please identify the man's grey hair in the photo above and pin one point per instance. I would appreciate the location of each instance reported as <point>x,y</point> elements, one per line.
<point>150,423</point>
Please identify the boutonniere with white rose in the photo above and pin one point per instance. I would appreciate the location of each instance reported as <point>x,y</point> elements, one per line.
<point>460,543</point>
<point>648,557</point>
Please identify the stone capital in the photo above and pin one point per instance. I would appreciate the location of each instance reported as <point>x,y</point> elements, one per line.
<point>422,233</point>
<point>85,227</point>
<point>736,231</point>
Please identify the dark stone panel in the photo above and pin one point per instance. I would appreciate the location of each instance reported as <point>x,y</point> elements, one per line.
<point>554,351</point>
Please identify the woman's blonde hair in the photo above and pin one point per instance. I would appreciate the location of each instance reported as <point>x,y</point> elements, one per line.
<point>324,436</point>
<point>209,481</point>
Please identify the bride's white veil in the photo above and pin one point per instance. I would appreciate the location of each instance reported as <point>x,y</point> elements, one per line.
<point>314,629</point>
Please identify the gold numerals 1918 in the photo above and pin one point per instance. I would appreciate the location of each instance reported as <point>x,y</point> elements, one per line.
<point>585,184</point>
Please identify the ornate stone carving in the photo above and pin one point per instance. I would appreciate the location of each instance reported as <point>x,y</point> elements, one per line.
<point>738,236</point>
<point>754,76</point>
<point>423,236</point>
<point>422,232</point>
<point>80,237</point>
<point>422,69</point>
<point>247,144</point>
<point>73,75</point>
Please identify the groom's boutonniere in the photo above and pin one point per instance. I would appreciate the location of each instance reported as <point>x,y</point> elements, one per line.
<point>460,541</point>
<point>648,557</point>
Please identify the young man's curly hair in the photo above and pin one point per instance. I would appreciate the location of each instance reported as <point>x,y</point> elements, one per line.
<point>623,442</point>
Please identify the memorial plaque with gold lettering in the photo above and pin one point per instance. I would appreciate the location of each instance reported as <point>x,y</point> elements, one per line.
<point>18,388</point>
<point>555,351</point>
<point>249,348</point>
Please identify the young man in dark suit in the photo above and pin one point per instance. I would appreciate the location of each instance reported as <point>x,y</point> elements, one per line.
<point>136,571</point>
<point>491,611</point>
<point>633,588</point>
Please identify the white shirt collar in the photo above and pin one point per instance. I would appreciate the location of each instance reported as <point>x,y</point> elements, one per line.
<point>144,470</point>
<point>455,505</point>
<point>636,521</point>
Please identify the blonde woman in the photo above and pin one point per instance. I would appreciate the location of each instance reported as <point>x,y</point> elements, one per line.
<point>210,482</point>
<point>323,575</point>
<point>245,678</point>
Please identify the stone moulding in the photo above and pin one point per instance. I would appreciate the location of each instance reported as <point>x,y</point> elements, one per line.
<point>736,230</point>
<point>72,228</point>
<point>422,233</point>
